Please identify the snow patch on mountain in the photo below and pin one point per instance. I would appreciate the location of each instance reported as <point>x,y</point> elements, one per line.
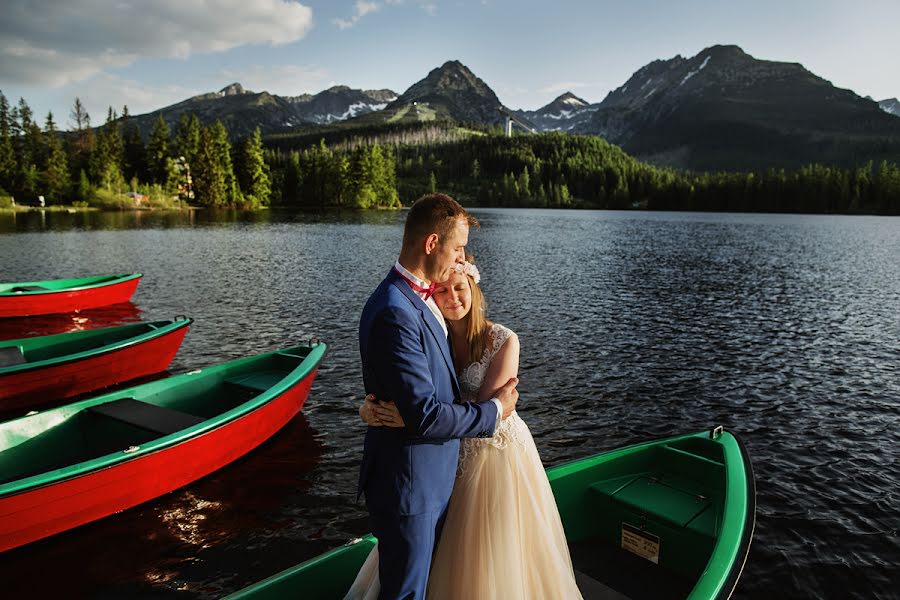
<point>692,73</point>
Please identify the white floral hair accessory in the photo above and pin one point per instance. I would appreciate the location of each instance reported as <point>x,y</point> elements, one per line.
<point>467,268</point>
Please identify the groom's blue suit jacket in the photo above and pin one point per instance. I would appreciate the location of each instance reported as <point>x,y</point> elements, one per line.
<point>406,358</point>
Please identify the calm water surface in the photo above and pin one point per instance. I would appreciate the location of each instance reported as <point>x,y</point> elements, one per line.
<point>634,326</point>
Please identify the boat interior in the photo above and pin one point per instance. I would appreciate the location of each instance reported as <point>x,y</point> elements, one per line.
<point>50,347</point>
<point>59,284</point>
<point>90,429</point>
<point>644,526</point>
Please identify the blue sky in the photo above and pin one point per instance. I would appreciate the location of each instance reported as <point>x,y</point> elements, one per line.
<point>152,53</point>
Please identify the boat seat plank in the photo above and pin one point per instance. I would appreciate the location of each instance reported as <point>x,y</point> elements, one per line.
<point>151,417</point>
<point>11,356</point>
<point>259,380</point>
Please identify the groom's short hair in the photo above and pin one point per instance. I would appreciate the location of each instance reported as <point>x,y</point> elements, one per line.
<point>433,213</point>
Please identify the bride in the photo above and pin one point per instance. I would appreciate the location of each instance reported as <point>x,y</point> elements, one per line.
<point>502,537</point>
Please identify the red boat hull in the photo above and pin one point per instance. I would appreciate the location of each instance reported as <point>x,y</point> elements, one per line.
<point>39,386</point>
<point>27,305</point>
<point>42,512</point>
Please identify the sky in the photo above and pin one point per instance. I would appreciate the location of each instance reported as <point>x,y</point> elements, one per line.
<point>147,54</point>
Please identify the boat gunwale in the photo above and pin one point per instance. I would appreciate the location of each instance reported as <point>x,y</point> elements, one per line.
<point>743,552</point>
<point>706,577</point>
<point>100,281</point>
<point>297,375</point>
<point>168,326</point>
<point>258,586</point>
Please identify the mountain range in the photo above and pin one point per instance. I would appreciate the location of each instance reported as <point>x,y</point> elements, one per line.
<point>719,110</point>
<point>242,111</point>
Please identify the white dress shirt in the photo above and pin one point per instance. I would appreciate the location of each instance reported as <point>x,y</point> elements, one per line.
<point>432,305</point>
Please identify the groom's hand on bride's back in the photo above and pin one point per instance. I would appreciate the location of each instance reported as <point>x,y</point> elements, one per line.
<point>508,395</point>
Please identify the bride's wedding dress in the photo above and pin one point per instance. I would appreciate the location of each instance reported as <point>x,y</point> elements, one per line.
<point>502,537</point>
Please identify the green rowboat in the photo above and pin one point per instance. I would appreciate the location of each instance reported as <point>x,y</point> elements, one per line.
<point>47,368</point>
<point>671,518</point>
<point>66,466</point>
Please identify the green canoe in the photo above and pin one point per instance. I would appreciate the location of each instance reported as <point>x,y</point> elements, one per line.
<point>66,466</point>
<point>48,368</point>
<point>671,518</point>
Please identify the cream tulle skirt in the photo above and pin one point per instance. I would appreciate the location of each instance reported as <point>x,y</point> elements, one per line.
<point>503,538</point>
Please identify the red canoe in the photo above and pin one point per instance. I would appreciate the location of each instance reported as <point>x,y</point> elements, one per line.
<point>43,369</point>
<point>67,466</point>
<point>31,298</point>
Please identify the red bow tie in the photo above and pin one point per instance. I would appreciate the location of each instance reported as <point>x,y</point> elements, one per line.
<point>428,291</point>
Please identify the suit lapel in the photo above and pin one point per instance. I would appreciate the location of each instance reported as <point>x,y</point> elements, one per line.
<point>430,321</point>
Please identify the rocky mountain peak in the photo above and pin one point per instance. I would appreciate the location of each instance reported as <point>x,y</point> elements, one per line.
<point>457,91</point>
<point>890,106</point>
<point>235,89</point>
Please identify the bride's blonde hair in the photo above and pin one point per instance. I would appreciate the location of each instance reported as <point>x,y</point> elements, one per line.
<point>477,326</point>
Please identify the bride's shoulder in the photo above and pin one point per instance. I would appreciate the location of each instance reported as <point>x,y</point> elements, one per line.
<point>500,334</point>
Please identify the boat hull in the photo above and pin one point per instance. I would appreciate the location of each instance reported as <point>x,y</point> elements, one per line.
<point>64,301</point>
<point>45,511</point>
<point>56,382</point>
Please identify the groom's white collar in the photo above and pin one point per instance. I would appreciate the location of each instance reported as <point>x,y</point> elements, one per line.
<point>430,302</point>
<point>406,273</point>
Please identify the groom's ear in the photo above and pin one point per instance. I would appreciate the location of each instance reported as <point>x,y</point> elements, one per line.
<point>431,243</point>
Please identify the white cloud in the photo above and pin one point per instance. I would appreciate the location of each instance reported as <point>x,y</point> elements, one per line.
<point>360,9</point>
<point>60,41</point>
<point>363,7</point>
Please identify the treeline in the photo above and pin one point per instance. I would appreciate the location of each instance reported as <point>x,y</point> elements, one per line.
<point>364,177</point>
<point>98,166</point>
<point>562,170</point>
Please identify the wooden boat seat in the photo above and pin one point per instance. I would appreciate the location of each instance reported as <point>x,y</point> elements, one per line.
<point>27,288</point>
<point>11,356</point>
<point>144,415</point>
<point>669,494</point>
<point>259,381</point>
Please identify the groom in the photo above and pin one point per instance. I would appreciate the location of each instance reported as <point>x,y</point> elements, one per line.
<point>407,474</point>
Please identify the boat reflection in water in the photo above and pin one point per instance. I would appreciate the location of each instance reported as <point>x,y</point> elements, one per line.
<point>107,316</point>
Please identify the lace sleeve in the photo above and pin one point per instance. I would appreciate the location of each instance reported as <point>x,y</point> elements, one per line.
<point>499,335</point>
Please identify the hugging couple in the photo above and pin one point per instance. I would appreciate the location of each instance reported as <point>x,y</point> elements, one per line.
<point>456,492</point>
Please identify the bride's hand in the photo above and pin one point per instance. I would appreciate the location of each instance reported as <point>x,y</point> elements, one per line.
<point>367,412</point>
<point>380,414</point>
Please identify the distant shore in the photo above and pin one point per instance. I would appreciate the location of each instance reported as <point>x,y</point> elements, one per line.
<point>65,208</point>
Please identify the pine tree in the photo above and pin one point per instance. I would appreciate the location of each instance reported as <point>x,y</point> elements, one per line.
<point>187,139</point>
<point>253,172</point>
<point>56,169</point>
<point>158,151</point>
<point>135,159</point>
<point>83,141</point>
<point>113,134</point>
<point>8,165</point>
<point>85,191</point>
<point>222,148</point>
<point>209,178</point>
<point>28,151</point>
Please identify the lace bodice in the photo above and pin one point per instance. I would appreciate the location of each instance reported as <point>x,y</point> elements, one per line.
<point>470,380</point>
<point>471,377</point>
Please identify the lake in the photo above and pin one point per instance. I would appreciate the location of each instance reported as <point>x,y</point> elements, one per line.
<point>633,325</point>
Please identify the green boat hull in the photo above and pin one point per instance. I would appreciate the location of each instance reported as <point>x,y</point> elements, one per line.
<point>668,518</point>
